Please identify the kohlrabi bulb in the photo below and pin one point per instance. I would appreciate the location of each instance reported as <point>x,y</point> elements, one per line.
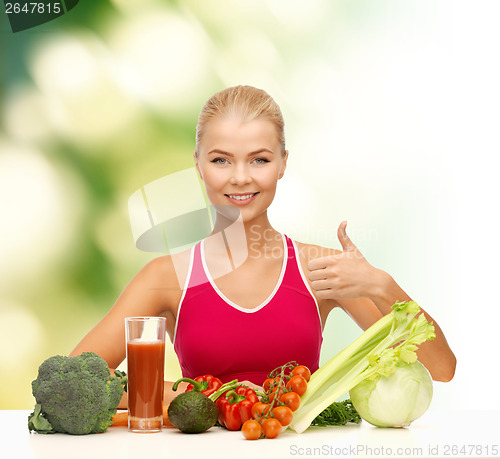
<point>395,400</point>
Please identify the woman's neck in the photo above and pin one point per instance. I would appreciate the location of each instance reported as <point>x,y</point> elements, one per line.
<point>255,237</point>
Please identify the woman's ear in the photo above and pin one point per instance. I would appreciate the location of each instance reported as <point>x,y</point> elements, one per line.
<point>283,165</point>
<point>195,157</point>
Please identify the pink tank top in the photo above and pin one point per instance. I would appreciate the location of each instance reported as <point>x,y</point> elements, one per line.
<point>215,336</point>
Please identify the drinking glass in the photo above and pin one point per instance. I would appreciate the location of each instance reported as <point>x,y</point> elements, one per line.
<point>145,337</point>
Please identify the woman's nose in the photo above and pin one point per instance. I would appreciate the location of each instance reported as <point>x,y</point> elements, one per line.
<point>240,175</point>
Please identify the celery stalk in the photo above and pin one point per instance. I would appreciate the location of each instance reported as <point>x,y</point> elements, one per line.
<point>331,371</point>
<point>394,337</point>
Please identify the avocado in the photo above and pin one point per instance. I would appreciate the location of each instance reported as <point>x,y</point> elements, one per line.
<point>192,412</point>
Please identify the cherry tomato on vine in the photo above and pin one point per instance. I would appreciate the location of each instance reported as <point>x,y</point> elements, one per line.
<point>251,429</point>
<point>276,392</point>
<point>291,399</point>
<point>270,382</point>
<point>303,371</point>
<point>297,384</point>
<point>271,428</point>
<point>259,409</point>
<point>283,414</point>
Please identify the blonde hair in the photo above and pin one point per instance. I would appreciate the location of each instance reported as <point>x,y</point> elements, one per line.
<point>244,102</point>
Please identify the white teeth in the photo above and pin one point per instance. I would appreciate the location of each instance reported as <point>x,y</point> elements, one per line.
<point>240,198</point>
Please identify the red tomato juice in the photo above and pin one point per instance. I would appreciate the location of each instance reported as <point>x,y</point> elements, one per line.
<point>145,378</point>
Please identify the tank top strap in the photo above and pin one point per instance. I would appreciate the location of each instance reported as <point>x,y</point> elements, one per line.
<point>290,247</point>
<point>295,277</point>
<point>196,274</point>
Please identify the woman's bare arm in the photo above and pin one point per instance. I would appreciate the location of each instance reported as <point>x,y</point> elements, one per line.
<point>436,355</point>
<point>153,291</point>
<point>345,279</point>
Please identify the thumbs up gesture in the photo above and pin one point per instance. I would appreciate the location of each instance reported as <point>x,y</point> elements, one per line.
<point>345,274</point>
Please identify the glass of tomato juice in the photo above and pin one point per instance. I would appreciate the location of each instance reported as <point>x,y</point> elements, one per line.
<point>145,337</point>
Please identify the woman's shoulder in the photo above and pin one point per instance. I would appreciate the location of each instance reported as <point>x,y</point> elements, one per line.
<point>168,270</point>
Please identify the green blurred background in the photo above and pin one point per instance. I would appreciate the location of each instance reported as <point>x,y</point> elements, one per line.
<point>391,113</point>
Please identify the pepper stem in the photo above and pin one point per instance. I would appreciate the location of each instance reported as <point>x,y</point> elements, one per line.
<point>197,386</point>
<point>233,397</point>
<point>231,385</point>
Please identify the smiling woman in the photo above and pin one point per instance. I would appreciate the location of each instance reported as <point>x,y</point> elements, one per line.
<point>240,149</point>
<point>240,156</point>
<point>240,163</point>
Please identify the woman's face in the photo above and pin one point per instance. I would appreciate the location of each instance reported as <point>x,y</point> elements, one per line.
<point>240,163</point>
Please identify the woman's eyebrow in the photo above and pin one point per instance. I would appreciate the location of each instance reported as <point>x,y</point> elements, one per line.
<point>262,150</point>
<point>219,152</point>
<point>256,152</point>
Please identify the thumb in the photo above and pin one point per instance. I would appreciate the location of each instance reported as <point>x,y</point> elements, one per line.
<point>347,244</point>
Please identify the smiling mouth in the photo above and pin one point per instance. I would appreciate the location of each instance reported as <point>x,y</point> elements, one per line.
<point>241,197</point>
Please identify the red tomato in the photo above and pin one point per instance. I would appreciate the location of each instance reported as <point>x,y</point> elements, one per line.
<point>276,392</point>
<point>271,428</point>
<point>270,382</point>
<point>297,384</point>
<point>259,409</point>
<point>283,414</point>
<point>303,371</point>
<point>291,399</point>
<point>251,429</point>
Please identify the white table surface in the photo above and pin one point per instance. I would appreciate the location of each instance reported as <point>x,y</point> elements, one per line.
<point>437,434</point>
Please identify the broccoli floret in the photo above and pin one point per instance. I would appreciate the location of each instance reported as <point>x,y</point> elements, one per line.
<point>76,395</point>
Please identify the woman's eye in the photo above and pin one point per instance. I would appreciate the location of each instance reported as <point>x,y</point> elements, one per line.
<point>261,160</point>
<point>219,161</point>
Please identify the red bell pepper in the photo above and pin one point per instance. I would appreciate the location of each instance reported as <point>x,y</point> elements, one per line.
<point>235,407</point>
<point>206,384</point>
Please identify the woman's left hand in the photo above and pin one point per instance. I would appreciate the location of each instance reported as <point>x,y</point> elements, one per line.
<point>344,275</point>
